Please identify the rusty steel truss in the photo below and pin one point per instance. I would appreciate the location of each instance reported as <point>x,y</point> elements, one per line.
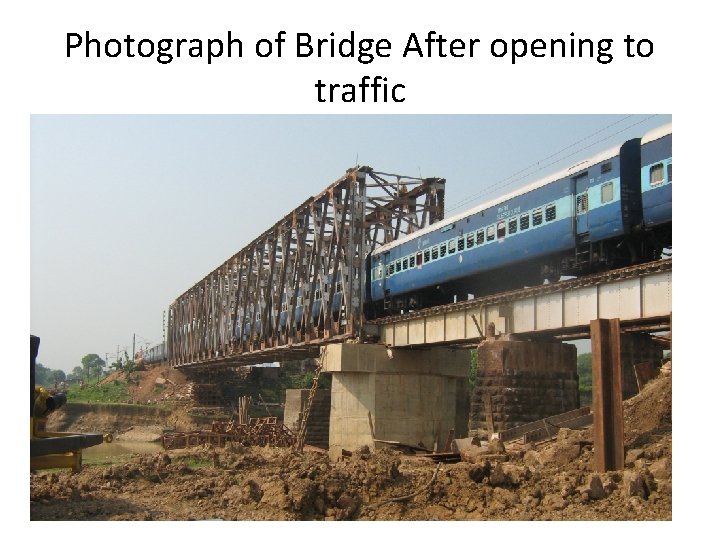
<point>301,283</point>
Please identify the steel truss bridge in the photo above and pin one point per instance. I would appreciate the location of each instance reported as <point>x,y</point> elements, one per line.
<point>316,252</point>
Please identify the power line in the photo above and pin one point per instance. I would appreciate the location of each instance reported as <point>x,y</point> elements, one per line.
<point>509,179</point>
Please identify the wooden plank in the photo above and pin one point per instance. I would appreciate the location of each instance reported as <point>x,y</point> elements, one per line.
<point>519,431</point>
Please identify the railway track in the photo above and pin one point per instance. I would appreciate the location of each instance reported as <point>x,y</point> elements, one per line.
<point>609,276</point>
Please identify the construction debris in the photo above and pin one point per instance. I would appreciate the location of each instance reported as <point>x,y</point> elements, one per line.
<point>265,431</point>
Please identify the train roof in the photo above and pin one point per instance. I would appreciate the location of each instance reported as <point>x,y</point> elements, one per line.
<point>573,169</point>
<point>657,133</point>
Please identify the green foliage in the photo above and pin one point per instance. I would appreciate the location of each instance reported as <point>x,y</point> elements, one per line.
<point>194,462</point>
<point>48,377</point>
<point>584,368</point>
<point>114,392</point>
<point>473,369</point>
<point>90,363</point>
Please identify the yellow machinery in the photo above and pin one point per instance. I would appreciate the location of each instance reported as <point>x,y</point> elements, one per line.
<point>50,450</point>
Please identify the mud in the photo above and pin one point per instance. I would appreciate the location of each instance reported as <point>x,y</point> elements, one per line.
<point>549,481</point>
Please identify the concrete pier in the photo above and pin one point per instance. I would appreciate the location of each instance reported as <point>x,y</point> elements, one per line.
<point>410,396</point>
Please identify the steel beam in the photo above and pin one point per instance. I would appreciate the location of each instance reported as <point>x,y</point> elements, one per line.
<point>640,296</point>
<point>232,316</point>
<point>607,395</point>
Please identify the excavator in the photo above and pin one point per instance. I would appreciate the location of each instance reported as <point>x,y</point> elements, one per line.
<point>52,450</point>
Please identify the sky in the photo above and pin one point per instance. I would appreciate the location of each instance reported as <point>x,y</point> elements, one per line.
<point>129,211</point>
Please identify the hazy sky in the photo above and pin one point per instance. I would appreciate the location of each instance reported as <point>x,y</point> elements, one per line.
<point>127,212</point>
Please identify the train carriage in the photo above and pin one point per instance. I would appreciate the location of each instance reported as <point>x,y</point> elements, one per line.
<point>570,221</point>
<point>656,176</point>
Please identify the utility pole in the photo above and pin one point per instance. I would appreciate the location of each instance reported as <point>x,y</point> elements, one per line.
<point>133,356</point>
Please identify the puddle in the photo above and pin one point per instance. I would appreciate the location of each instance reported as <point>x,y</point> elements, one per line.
<point>117,450</point>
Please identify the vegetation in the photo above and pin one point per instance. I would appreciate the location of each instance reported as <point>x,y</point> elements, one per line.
<point>584,369</point>
<point>48,377</point>
<point>473,369</point>
<point>114,392</point>
<point>92,365</point>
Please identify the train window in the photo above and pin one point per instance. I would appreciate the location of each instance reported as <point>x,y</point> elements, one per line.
<point>537,217</point>
<point>257,316</point>
<point>426,256</point>
<point>581,203</point>
<point>501,230</point>
<point>657,174</point>
<point>419,258</point>
<point>379,272</point>
<point>551,212</point>
<point>451,246</point>
<point>524,222</point>
<point>490,233</point>
<point>461,243</point>
<point>317,294</point>
<point>606,167</point>
<point>470,240</point>
<point>398,264</point>
<point>512,226</point>
<point>434,253</point>
<point>338,287</point>
<point>405,263</point>
<point>481,237</point>
<point>411,261</point>
<point>670,172</point>
<point>443,249</point>
<point>606,192</point>
<point>391,269</point>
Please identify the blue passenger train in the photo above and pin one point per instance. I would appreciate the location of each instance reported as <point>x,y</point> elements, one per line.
<point>612,210</point>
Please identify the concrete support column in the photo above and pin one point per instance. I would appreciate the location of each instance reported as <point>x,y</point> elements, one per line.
<point>411,396</point>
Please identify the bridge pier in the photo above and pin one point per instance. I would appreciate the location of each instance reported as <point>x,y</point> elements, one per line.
<point>410,396</point>
<point>518,382</point>
<point>639,354</point>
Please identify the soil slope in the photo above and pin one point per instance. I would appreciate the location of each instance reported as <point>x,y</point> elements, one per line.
<point>549,481</point>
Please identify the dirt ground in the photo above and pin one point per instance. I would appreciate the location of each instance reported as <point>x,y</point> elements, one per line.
<point>553,480</point>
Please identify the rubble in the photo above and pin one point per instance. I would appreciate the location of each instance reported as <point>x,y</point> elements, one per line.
<point>549,480</point>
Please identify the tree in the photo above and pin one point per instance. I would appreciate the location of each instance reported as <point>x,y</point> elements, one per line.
<point>57,375</point>
<point>90,362</point>
<point>77,372</point>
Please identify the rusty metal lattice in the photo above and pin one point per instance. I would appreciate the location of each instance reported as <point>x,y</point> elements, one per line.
<point>302,282</point>
<point>257,432</point>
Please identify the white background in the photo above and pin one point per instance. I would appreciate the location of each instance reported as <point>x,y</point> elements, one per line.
<point>38,78</point>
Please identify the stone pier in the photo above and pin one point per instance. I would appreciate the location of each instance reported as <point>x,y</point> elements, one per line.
<point>410,396</point>
<point>518,382</point>
<point>639,358</point>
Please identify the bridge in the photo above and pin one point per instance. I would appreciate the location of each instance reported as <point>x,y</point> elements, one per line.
<point>300,284</point>
<point>640,296</point>
<point>297,291</point>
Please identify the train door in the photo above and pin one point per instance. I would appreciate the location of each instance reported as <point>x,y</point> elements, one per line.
<point>582,226</point>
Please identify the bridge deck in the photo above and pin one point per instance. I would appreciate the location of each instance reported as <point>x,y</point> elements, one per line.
<point>640,296</point>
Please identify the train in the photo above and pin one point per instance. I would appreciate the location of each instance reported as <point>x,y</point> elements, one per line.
<point>609,211</point>
<point>612,210</point>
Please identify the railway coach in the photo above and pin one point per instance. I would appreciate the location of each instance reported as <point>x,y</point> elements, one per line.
<point>582,219</point>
